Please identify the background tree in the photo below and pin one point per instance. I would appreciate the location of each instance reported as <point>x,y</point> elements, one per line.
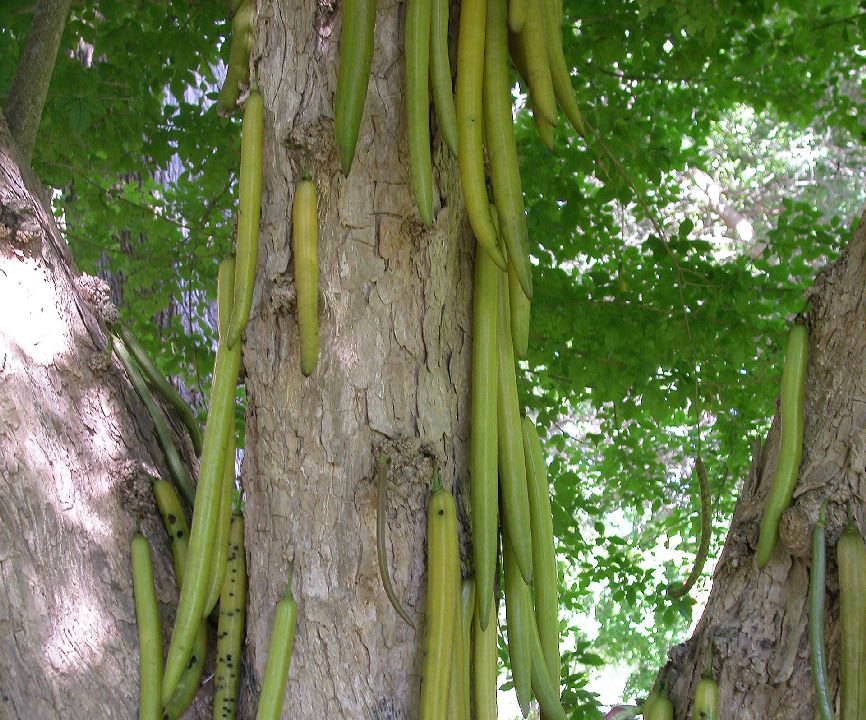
<point>634,331</point>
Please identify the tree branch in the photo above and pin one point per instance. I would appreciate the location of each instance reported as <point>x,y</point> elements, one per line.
<point>33,75</point>
<point>714,195</point>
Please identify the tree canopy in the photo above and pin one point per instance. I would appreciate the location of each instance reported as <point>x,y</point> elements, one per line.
<point>656,328</point>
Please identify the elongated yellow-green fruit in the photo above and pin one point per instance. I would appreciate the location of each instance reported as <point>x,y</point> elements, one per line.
<point>545,687</point>
<point>533,41</point>
<point>483,469</point>
<point>791,432</point>
<point>543,551</point>
<point>650,701</point>
<point>517,12</point>
<point>230,628</point>
<point>443,578</point>
<point>457,709</point>
<point>279,657</point>
<point>238,72</point>
<point>381,531</point>
<point>220,423</point>
<point>305,249</point>
<point>706,705</point>
<point>518,617</point>
<point>851,559</point>
<point>519,306</point>
<point>149,632</point>
<point>440,74</point>
<point>544,128</point>
<point>174,521</point>
<point>706,531</point>
<point>512,461</point>
<point>662,709</point>
<point>470,120</point>
<point>484,665</point>
<point>163,387</point>
<point>190,681</point>
<point>178,468</point>
<point>221,538</point>
<point>501,145</point>
<point>353,75</point>
<point>467,610</point>
<point>225,296</point>
<point>418,17</point>
<point>249,211</point>
<point>559,72</point>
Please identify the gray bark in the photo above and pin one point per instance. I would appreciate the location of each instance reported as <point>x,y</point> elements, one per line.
<point>76,447</point>
<point>33,74</point>
<point>757,619</point>
<point>393,375</point>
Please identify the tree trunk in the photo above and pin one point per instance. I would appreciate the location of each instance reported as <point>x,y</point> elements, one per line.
<point>756,619</point>
<point>392,377</point>
<point>76,449</point>
<point>33,75</point>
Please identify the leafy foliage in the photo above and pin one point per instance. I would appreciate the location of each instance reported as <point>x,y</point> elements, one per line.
<point>648,312</point>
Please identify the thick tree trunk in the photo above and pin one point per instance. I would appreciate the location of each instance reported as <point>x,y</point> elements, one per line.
<point>756,619</point>
<point>76,448</point>
<point>392,377</point>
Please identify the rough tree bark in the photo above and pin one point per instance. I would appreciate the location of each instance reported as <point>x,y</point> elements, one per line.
<point>756,619</point>
<point>76,448</point>
<point>392,377</point>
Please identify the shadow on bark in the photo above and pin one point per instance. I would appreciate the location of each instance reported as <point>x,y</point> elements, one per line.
<point>76,447</point>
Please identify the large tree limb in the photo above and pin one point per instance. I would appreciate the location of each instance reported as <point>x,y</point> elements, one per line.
<point>756,619</point>
<point>33,75</point>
